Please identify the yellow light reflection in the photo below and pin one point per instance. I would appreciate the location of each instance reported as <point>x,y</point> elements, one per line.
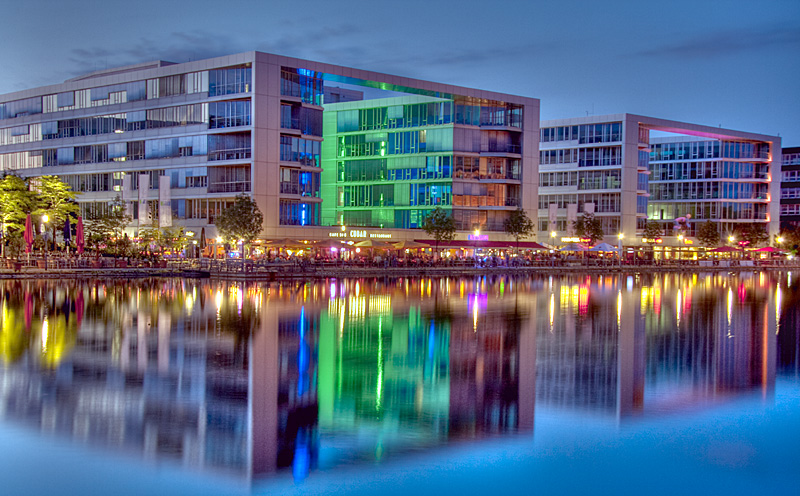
<point>45,332</point>
<point>218,299</point>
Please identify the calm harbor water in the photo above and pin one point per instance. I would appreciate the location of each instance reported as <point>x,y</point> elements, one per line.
<point>196,386</point>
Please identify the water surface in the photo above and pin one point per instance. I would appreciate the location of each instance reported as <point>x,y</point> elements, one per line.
<point>396,385</point>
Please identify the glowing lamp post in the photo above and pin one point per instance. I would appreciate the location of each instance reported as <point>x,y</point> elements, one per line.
<point>619,247</point>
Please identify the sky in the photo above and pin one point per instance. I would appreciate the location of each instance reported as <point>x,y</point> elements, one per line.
<point>728,63</point>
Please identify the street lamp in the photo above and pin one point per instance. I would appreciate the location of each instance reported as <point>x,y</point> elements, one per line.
<point>619,253</point>
<point>553,244</point>
<point>680,245</point>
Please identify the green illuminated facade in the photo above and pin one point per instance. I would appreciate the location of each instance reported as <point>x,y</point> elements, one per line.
<point>389,162</point>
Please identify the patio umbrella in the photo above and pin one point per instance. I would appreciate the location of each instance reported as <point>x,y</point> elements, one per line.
<point>404,245</point>
<point>603,247</point>
<point>328,243</point>
<point>768,249</point>
<point>286,243</point>
<point>574,247</point>
<point>28,236</point>
<point>79,241</point>
<point>536,246</point>
<point>202,239</point>
<point>371,243</point>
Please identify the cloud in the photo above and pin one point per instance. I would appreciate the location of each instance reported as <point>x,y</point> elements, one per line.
<point>183,46</point>
<point>731,42</point>
<point>336,44</point>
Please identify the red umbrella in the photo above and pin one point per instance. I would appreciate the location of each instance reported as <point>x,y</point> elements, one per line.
<point>769,249</point>
<point>79,241</point>
<point>28,236</point>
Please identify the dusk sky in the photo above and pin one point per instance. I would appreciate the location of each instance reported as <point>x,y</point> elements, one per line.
<point>733,63</point>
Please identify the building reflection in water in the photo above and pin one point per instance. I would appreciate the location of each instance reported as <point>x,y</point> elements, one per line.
<point>252,378</point>
<point>657,342</point>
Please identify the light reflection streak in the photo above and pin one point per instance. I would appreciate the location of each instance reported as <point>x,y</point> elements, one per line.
<point>778,296</point>
<point>45,333</point>
<point>379,387</point>
<point>729,310</point>
<point>475,314</point>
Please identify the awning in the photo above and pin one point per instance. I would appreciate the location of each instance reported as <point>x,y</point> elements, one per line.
<point>466,243</point>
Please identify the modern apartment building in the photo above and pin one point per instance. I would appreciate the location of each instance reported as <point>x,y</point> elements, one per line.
<point>790,189</point>
<point>727,180</point>
<point>390,162</point>
<point>595,164</point>
<point>178,142</point>
<point>611,166</point>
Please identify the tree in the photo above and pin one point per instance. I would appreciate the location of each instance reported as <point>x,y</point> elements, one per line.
<point>440,226</point>
<point>172,238</point>
<point>109,227</point>
<point>708,234</point>
<point>16,202</point>
<point>518,225</point>
<point>752,235</point>
<point>175,238</point>
<point>652,231</point>
<point>56,199</point>
<point>151,237</point>
<point>588,226</point>
<point>243,221</point>
<point>790,239</point>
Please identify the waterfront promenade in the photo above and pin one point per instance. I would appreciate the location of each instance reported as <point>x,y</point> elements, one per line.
<point>235,269</point>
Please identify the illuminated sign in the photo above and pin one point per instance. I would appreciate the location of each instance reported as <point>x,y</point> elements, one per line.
<point>575,240</point>
<point>478,237</point>
<point>652,240</point>
<point>359,233</point>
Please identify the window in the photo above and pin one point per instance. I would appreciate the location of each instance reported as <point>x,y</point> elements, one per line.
<point>229,179</point>
<point>228,114</point>
<point>229,81</point>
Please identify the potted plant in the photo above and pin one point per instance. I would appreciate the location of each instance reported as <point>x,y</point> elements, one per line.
<point>14,249</point>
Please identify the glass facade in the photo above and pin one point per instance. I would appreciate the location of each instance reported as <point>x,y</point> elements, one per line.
<point>607,132</point>
<point>697,178</point>
<point>395,160</point>
<point>118,140</point>
<point>194,124</point>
